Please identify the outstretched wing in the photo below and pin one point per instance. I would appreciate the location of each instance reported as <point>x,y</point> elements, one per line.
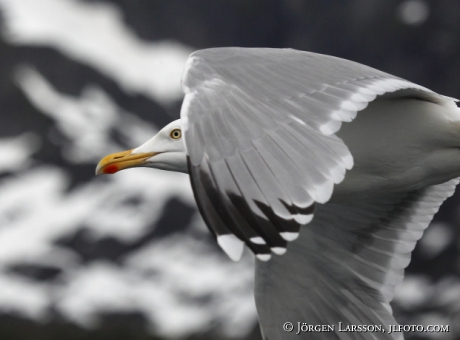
<point>259,130</point>
<point>345,265</point>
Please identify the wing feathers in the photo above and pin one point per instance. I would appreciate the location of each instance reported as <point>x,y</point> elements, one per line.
<point>259,130</point>
<point>264,120</point>
<point>341,266</point>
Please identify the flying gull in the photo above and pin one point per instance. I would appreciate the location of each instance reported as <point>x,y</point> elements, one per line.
<point>331,202</point>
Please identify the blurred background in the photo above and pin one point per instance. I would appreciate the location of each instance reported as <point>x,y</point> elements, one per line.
<point>127,256</point>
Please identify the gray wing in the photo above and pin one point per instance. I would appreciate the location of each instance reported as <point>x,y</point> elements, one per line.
<point>259,130</point>
<point>345,265</point>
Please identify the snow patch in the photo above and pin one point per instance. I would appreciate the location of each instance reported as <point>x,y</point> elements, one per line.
<point>95,34</point>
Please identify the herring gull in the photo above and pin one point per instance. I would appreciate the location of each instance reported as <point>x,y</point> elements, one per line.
<point>331,202</point>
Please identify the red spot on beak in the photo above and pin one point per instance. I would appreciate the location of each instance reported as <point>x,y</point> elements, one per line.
<point>110,169</point>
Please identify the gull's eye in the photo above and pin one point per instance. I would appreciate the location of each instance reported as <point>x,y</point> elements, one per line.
<point>175,134</point>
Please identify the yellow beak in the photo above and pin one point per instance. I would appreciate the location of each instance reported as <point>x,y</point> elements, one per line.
<point>122,160</point>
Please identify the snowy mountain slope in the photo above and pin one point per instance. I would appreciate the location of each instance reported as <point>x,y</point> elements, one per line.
<point>132,242</point>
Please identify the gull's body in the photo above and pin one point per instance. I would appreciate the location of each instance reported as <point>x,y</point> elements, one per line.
<point>262,138</point>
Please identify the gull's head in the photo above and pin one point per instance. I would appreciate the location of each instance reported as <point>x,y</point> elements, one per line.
<point>166,151</point>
